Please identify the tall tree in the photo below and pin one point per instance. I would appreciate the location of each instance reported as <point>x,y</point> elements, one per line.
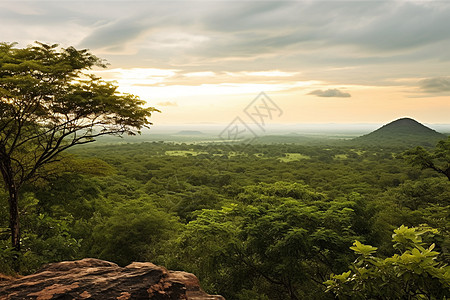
<point>49,103</point>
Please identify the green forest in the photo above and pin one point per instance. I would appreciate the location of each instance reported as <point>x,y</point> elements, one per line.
<point>252,221</point>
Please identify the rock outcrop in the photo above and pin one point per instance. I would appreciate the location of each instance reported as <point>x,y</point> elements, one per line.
<point>97,279</point>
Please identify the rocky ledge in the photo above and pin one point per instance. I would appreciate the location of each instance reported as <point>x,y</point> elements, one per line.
<point>98,279</point>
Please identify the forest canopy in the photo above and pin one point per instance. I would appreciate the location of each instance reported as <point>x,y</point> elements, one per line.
<point>254,223</point>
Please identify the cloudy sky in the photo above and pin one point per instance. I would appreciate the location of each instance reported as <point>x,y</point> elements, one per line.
<point>205,61</point>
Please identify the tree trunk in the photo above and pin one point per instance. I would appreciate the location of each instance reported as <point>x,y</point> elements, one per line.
<point>14,217</point>
<point>13,189</point>
<point>13,201</point>
<point>447,173</point>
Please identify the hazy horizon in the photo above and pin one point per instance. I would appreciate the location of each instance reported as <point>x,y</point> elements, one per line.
<point>283,129</point>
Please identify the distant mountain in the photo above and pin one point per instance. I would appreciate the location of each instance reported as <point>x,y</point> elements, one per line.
<point>189,132</point>
<point>402,132</point>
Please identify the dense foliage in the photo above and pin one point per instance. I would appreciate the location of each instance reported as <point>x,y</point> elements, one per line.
<point>49,103</point>
<point>251,221</point>
<point>412,273</point>
<point>438,160</point>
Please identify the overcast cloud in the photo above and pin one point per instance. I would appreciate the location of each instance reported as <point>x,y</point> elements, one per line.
<point>334,43</point>
<point>201,32</point>
<point>436,85</point>
<point>330,93</point>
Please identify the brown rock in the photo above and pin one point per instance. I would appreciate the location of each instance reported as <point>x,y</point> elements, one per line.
<point>97,279</point>
<point>4,277</point>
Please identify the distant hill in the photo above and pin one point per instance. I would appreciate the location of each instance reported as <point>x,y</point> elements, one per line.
<point>402,132</point>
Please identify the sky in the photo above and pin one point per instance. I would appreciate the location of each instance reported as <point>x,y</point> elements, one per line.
<point>284,62</point>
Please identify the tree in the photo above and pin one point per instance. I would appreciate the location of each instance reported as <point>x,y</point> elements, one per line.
<point>48,103</point>
<point>413,273</point>
<point>279,240</point>
<point>438,160</point>
<point>135,230</point>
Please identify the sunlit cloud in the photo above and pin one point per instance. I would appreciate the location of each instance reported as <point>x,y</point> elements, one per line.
<point>136,76</point>
<point>175,78</point>
<point>200,74</point>
<point>275,73</point>
<point>175,91</point>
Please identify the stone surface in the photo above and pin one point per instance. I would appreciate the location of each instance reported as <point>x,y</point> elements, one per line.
<point>97,279</point>
<point>5,277</point>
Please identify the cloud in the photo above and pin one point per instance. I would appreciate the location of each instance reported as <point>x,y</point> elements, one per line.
<point>435,85</point>
<point>137,76</point>
<point>330,93</point>
<point>397,27</point>
<point>184,32</point>
<point>200,74</point>
<point>247,36</point>
<point>167,103</point>
<point>115,36</point>
<point>274,73</point>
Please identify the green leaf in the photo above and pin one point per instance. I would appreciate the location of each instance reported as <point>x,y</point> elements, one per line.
<point>365,250</point>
